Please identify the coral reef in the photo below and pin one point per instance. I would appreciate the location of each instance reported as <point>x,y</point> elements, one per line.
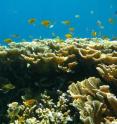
<point>79,77</point>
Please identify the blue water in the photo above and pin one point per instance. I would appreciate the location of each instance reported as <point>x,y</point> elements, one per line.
<point>14,15</point>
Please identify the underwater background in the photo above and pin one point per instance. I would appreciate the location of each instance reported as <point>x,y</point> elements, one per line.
<point>85,16</point>
<point>68,73</point>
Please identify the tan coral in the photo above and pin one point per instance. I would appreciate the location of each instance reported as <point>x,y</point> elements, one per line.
<point>84,87</point>
<point>109,59</point>
<point>89,53</point>
<point>27,58</point>
<point>42,63</point>
<point>60,60</point>
<point>110,120</point>
<point>98,56</point>
<point>93,101</point>
<point>113,102</point>
<point>108,72</point>
<point>96,46</point>
<point>72,65</point>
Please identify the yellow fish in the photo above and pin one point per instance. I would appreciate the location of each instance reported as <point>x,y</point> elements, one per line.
<point>32,20</point>
<point>68,36</point>
<point>94,33</point>
<point>46,23</point>
<point>111,20</point>
<point>66,22</point>
<point>8,40</point>
<point>7,87</point>
<point>30,102</point>
<point>71,29</point>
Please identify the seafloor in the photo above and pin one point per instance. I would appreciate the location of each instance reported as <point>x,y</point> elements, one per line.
<point>52,81</point>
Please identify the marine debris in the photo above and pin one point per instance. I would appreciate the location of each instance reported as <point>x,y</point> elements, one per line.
<point>54,81</point>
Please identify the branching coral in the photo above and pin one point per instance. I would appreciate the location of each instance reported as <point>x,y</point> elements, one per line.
<point>42,112</point>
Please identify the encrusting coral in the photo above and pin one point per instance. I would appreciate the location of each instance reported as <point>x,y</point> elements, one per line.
<point>30,68</point>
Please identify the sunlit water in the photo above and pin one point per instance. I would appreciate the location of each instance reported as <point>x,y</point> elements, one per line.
<point>16,13</point>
